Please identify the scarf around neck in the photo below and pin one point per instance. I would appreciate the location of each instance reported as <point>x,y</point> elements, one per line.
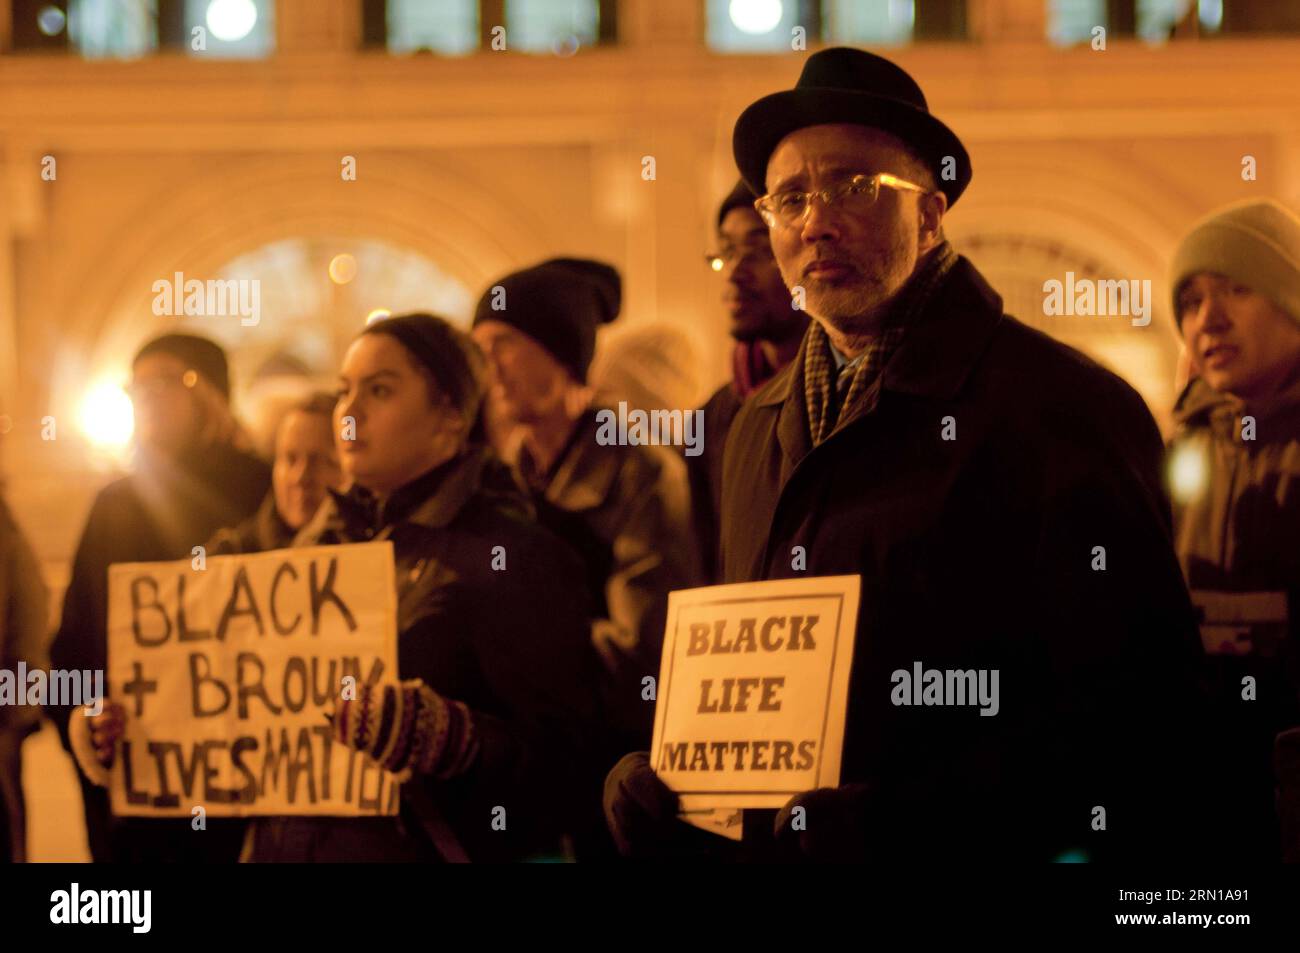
<point>826,412</point>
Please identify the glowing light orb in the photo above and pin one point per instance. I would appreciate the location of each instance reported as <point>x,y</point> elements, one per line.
<point>755,16</point>
<point>106,417</point>
<point>343,268</point>
<point>51,21</point>
<point>1189,473</point>
<point>231,20</point>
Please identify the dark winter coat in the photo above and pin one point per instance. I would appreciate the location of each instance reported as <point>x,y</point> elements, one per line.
<point>984,551</point>
<point>1237,532</point>
<point>159,513</point>
<point>626,511</point>
<point>263,531</point>
<point>511,643</point>
<point>705,473</point>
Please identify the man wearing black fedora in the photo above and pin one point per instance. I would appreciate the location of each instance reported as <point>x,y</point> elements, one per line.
<point>998,493</point>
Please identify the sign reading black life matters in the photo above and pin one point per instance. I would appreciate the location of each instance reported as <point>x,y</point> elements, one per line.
<point>752,690</point>
<point>226,672</point>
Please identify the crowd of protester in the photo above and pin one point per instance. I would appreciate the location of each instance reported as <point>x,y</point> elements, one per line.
<point>858,328</point>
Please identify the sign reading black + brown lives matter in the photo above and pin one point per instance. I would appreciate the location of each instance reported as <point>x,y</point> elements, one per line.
<point>226,673</point>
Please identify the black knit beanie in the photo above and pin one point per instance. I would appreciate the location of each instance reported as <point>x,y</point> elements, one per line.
<point>454,360</point>
<point>199,354</point>
<point>559,304</point>
<point>740,197</point>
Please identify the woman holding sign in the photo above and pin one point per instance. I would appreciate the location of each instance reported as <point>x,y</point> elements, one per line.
<point>496,697</point>
<point>497,672</point>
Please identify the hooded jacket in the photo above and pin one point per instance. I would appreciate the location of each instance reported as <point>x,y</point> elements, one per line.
<point>1235,474</point>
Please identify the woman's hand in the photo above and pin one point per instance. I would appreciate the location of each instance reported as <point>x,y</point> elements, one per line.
<point>408,729</point>
<point>106,730</point>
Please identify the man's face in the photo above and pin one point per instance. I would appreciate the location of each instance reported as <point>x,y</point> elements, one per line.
<point>754,294</point>
<point>850,266</point>
<point>306,464</point>
<point>528,384</point>
<point>399,431</point>
<point>166,415</point>
<point>1238,340</point>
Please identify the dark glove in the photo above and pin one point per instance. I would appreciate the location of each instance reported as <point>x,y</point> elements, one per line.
<point>408,728</point>
<point>831,828</point>
<point>641,810</point>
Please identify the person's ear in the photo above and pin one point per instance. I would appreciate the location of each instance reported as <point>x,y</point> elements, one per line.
<point>577,397</point>
<point>932,206</point>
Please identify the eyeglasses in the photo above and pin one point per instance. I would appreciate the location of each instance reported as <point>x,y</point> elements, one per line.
<point>853,195</point>
<point>728,254</point>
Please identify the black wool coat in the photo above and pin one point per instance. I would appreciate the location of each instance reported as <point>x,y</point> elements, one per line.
<point>513,644</point>
<point>705,474</point>
<point>983,552</point>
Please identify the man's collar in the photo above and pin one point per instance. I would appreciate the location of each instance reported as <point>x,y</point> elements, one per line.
<point>533,476</point>
<point>948,338</point>
<point>583,473</point>
<point>939,350</point>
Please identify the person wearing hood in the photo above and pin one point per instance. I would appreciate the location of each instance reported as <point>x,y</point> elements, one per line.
<point>767,328</point>
<point>194,476</point>
<point>1234,469</point>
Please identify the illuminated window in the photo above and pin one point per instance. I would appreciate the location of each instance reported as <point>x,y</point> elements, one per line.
<point>1157,19</point>
<point>756,26</point>
<point>448,26</point>
<point>122,29</point>
<point>551,26</point>
<point>882,22</point>
<point>1072,21</point>
<point>452,27</point>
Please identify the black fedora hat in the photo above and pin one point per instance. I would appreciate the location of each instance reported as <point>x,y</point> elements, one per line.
<point>844,85</point>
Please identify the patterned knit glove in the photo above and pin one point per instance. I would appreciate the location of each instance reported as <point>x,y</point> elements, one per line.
<point>408,728</point>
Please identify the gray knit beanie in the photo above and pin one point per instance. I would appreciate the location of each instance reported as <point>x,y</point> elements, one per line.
<point>1256,243</point>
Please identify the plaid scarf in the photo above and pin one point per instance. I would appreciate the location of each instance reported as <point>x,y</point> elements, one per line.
<point>831,407</point>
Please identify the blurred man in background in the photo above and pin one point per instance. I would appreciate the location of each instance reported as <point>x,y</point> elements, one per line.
<point>1235,475</point>
<point>767,329</point>
<point>306,467</point>
<point>624,508</point>
<point>24,638</point>
<point>194,475</point>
